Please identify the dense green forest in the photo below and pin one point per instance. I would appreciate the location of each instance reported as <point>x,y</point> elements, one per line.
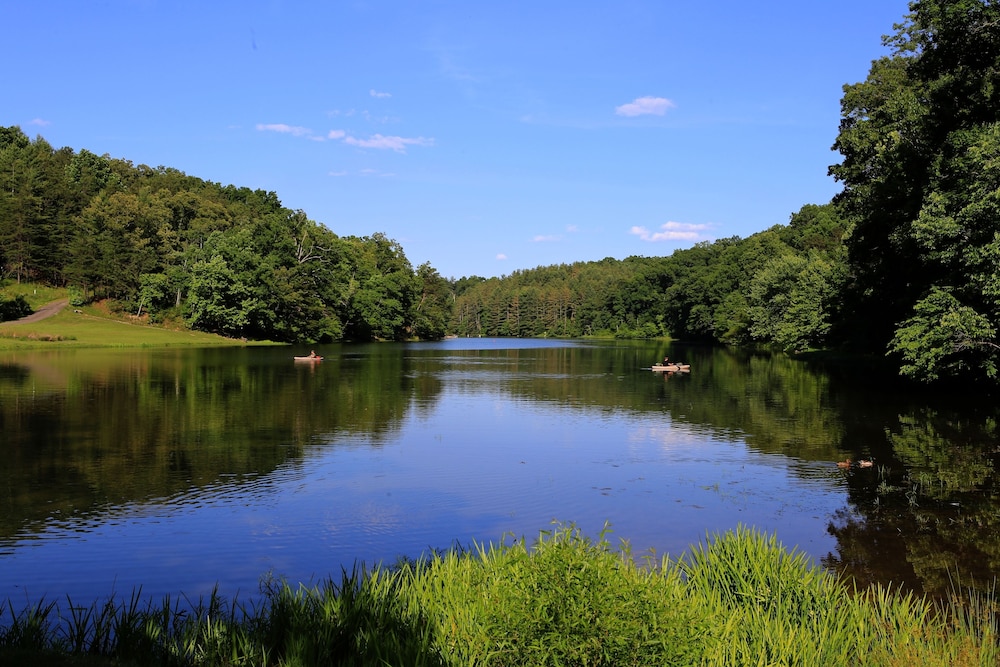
<point>779,286</point>
<point>903,262</point>
<point>223,259</point>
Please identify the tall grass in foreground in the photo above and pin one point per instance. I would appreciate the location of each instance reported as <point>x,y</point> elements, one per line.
<point>738,599</point>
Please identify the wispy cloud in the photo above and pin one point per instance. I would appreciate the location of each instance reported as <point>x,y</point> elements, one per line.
<point>544,238</point>
<point>382,142</point>
<point>572,229</point>
<point>645,106</point>
<point>40,122</point>
<point>501,256</point>
<point>670,231</point>
<point>281,128</point>
<point>375,93</point>
<point>376,141</point>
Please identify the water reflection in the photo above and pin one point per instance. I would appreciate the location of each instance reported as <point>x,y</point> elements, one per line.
<point>180,469</point>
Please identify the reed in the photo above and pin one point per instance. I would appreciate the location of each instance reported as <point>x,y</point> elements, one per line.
<point>564,599</point>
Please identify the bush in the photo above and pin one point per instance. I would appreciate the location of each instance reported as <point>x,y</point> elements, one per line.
<point>14,309</point>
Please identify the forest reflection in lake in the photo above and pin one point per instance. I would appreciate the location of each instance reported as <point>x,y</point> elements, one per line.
<point>178,470</point>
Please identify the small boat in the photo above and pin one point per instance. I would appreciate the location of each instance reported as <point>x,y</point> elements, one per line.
<point>315,358</point>
<point>671,368</point>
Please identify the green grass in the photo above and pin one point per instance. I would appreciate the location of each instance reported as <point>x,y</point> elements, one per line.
<point>89,326</point>
<point>36,295</point>
<point>738,599</point>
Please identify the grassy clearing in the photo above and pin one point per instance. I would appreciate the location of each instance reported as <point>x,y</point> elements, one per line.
<point>36,295</point>
<point>739,599</point>
<point>92,326</point>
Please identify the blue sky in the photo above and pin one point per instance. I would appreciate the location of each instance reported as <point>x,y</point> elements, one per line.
<point>485,137</point>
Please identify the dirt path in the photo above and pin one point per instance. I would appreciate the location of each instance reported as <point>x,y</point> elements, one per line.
<point>48,310</point>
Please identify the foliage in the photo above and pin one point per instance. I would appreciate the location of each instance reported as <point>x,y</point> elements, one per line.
<point>233,261</point>
<point>741,599</point>
<point>791,299</point>
<point>780,286</point>
<point>943,338</point>
<point>13,309</point>
<point>920,140</point>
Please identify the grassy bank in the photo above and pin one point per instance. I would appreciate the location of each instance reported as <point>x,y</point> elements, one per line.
<point>738,599</point>
<point>92,326</point>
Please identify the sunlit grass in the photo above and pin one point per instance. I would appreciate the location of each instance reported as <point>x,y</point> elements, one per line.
<point>36,295</point>
<point>88,326</point>
<point>89,329</point>
<point>738,599</point>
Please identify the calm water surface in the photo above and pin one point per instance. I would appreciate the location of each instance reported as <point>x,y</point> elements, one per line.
<point>180,470</point>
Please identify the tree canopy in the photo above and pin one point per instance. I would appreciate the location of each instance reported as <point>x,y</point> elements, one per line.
<point>229,260</point>
<point>920,140</point>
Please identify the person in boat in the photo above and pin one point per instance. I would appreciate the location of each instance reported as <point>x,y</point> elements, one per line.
<point>312,354</point>
<point>666,361</point>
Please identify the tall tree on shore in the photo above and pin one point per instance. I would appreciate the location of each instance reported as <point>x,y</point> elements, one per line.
<point>920,140</point>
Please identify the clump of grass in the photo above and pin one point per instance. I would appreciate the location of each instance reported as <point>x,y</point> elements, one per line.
<point>563,600</point>
<point>34,337</point>
<point>737,599</point>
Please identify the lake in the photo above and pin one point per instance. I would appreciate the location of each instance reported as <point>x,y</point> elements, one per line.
<point>180,470</point>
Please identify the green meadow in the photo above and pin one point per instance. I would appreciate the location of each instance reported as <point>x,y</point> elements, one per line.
<point>737,599</point>
<point>92,326</point>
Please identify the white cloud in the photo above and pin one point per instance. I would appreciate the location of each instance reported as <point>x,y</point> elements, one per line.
<point>377,141</point>
<point>338,173</point>
<point>281,128</point>
<point>375,93</point>
<point>572,229</point>
<point>543,238</point>
<point>501,256</point>
<point>377,173</point>
<point>670,231</point>
<point>40,122</point>
<point>645,106</point>
<point>394,143</point>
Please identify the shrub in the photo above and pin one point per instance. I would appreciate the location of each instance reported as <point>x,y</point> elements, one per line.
<point>13,309</point>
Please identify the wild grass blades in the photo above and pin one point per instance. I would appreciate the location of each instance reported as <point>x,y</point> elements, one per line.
<point>736,599</point>
<point>29,629</point>
<point>564,600</point>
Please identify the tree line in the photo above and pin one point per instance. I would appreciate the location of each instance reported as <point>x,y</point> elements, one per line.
<point>781,286</point>
<point>905,261</point>
<point>223,259</point>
